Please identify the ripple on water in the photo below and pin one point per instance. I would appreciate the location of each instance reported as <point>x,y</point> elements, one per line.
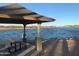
<point>46,33</point>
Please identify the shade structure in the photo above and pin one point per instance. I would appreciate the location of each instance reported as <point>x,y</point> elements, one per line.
<point>16,14</point>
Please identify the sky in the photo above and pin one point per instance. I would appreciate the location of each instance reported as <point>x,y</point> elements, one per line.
<point>64,13</point>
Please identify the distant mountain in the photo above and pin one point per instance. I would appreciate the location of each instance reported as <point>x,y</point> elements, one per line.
<point>28,27</point>
<point>21,27</point>
<point>76,26</point>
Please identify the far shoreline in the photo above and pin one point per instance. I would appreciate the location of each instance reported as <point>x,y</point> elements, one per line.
<point>10,28</point>
<point>31,28</point>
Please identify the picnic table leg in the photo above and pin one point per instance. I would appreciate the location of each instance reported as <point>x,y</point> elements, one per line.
<point>25,46</point>
<point>15,47</point>
<point>9,49</point>
<point>11,44</point>
<point>19,45</point>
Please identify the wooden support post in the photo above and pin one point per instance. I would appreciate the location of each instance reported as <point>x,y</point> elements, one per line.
<point>38,39</point>
<point>24,34</point>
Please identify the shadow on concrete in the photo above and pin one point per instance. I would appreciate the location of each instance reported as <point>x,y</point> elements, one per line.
<point>65,48</point>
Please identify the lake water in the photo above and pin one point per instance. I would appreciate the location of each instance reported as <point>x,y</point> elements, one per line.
<point>46,33</point>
